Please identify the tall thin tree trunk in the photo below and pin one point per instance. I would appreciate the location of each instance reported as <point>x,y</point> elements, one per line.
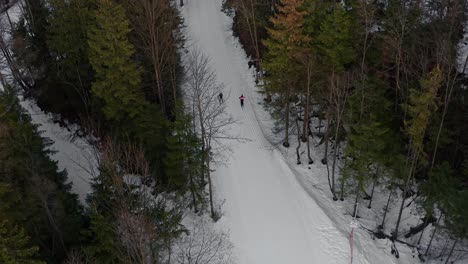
<point>286,136</point>
<point>448,95</point>
<point>306,116</point>
<point>386,209</point>
<point>405,191</point>
<point>298,141</point>
<point>451,250</point>
<point>320,124</point>
<point>9,20</point>
<point>192,190</point>
<point>210,188</point>
<point>310,161</point>
<point>422,231</point>
<point>327,133</point>
<point>356,199</point>
<point>335,150</point>
<point>305,122</point>
<point>372,191</point>
<point>433,235</point>
<point>169,252</point>
<point>203,139</point>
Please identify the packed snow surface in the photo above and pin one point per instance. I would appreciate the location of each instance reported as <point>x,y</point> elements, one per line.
<point>271,218</point>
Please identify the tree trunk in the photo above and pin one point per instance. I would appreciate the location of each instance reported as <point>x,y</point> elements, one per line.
<point>448,95</point>
<point>342,189</point>
<point>169,252</point>
<point>298,142</point>
<point>422,231</point>
<point>433,235</point>
<point>306,117</point>
<point>451,251</point>
<point>372,191</point>
<point>356,200</point>
<point>386,209</point>
<point>335,150</point>
<point>9,20</point>
<point>308,151</point>
<point>286,136</point>
<point>405,191</point>
<point>320,124</point>
<point>203,139</point>
<point>192,190</point>
<point>325,155</point>
<point>305,122</point>
<point>210,189</point>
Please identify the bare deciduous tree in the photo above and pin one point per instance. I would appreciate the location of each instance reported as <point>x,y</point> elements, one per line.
<point>155,22</point>
<point>211,120</point>
<point>204,246</point>
<point>78,257</point>
<point>136,232</point>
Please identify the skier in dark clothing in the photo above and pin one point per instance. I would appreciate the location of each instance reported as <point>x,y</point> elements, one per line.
<point>220,97</point>
<point>241,98</point>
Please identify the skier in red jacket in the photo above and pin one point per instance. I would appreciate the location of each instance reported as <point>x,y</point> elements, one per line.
<point>241,98</point>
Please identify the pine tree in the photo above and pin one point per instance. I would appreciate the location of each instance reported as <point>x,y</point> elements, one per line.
<point>368,147</point>
<point>335,40</point>
<point>117,76</point>
<point>39,201</point>
<point>335,52</point>
<point>15,247</point>
<point>420,108</point>
<point>183,152</point>
<point>285,46</point>
<point>67,42</point>
<point>101,240</point>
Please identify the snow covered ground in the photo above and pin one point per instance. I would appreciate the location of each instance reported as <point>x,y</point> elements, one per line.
<point>275,211</point>
<point>271,217</point>
<point>73,154</point>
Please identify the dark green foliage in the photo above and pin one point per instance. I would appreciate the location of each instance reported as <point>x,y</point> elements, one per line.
<point>372,145</point>
<point>118,78</point>
<point>30,37</point>
<point>437,189</point>
<point>68,45</point>
<point>100,238</point>
<point>285,44</point>
<point>120,194</point>
<point>39,199</point>
<point>184,153</point>
<point>335,40</point>
<point>420,108</point>
<point>14,245</point>
<point>457,213</point>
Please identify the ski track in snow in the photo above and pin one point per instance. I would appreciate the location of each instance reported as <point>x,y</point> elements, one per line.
<point>269,215</point>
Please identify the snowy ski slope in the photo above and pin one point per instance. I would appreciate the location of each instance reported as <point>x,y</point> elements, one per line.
<point>270,217</point>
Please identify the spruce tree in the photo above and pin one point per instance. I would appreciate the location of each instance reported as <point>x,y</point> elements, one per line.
<point>40,200</point>
<point>110,53</point>
<point>68,45</point>
<point>335,40</point>
<point>284,45</point>
<point>420,108</point>
<point>101,240</point>
<point>15,247</point>
<point>368,147</point>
